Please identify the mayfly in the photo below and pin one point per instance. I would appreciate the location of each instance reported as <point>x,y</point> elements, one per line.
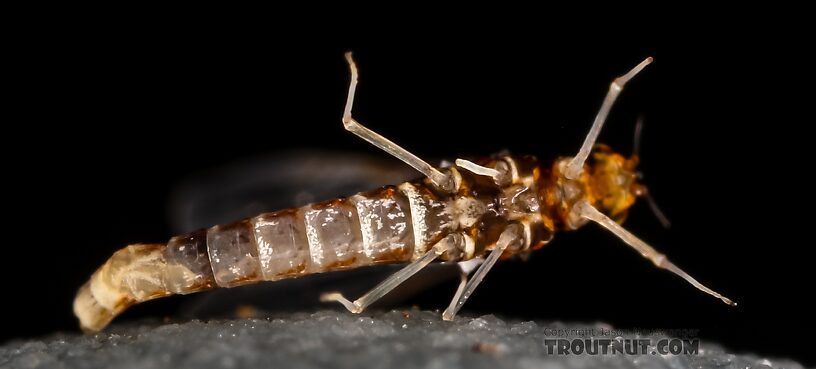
<point>469,213</point>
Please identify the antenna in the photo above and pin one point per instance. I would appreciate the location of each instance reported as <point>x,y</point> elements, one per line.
<point>638,135</point>
<point>661,217</point>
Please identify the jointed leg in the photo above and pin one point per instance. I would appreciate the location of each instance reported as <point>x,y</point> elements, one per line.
<point>576,166</point>
<point>440,179</point>
<point>472,167</point>
<point>588,211</point>
<point>465,267</point>
<point>448,243</point>
<point>511,235</point>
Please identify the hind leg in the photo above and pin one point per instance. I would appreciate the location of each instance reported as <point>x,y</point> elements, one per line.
<point>441,180</point>
<point>451,242</point>
<point>511,235</point>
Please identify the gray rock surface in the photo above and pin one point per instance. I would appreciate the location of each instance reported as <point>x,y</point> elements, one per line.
<point>333,339</point>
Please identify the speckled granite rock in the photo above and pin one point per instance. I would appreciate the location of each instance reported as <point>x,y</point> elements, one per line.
<point>331,339</point>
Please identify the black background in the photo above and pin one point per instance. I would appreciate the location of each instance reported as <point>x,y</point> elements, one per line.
<point>110,118</point>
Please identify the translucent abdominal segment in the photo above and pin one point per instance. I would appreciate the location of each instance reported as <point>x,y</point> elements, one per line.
<point>188,267</point>
<point>333,233</point>
<point>234,254</point>
<point>385,225</point>
<point>431,218</point>
<point>283,249</point>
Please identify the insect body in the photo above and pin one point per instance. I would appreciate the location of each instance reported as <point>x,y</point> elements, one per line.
<point>471,213</point>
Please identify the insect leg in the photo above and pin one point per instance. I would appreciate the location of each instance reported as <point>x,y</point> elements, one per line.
<point>498,176</point>
<point>512,234</point>
<point>465,268</point>
<point>451,242</point>
<point>576,165</point>
<point>477,169</point>
<point>588,211</point>
<point>441,180</point>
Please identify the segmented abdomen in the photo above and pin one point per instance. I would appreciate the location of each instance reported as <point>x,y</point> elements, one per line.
<point>388,225</point>
<point>342,233</point>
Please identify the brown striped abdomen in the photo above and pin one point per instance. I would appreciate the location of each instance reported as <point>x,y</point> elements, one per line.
<point>364,229</point>
<point>338,234</point>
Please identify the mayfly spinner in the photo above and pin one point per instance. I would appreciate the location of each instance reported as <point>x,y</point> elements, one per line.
<point>470,213</point>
